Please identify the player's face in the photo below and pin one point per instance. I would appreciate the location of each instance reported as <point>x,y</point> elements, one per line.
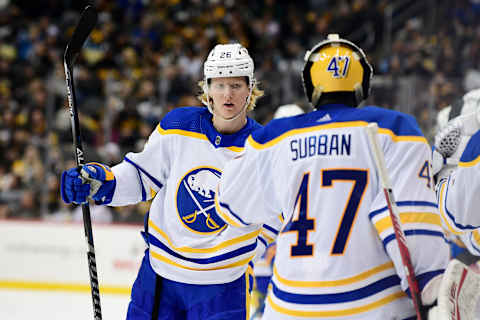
<point>229,96</point>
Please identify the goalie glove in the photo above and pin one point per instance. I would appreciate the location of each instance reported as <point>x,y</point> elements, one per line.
<point>458,294</point>
<point>450,142</point>
<point>95,181</point>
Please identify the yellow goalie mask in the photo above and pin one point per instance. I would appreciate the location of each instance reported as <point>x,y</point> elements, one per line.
<point>336,65</point>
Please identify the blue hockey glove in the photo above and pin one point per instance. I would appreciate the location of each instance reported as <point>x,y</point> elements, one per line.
<point>72,187</point>
<point>94,180</point>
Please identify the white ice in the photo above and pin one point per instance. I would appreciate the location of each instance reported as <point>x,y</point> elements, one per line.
<point>53,305</point>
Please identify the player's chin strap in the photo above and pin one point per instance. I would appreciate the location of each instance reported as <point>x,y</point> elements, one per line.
<point>458,294</point>
<point>210,107</point>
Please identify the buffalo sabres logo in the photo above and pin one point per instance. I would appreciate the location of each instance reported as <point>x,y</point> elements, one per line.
<point>196,200</point>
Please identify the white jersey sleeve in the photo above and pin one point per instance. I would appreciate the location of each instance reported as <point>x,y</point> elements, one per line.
<point>251,171</point>
<point>141,175</point>
<point>458,198</point>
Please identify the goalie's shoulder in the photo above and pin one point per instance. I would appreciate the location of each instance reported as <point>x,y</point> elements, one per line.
<point>401,124</point>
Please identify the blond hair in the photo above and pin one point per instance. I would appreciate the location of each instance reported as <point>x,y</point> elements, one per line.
<point>256,93</point>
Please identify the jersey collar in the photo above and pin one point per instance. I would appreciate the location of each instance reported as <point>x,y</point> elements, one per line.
<point>218,139</point>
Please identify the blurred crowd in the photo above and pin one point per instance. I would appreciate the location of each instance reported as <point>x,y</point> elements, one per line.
<point>145,58</point>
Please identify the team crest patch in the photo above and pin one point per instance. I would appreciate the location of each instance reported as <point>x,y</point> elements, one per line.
<point>196,200</point>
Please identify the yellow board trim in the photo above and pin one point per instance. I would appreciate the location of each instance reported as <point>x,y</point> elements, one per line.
<point>332,283</point>
<point>227,266</point>
<point>409,217</point>
<point>218,247</point>
<point>190,134</point>
<point>469,163</point>
<point>442,212</point>
<point>336,125</point>
<point>69,287</point>
<point>336,313</point>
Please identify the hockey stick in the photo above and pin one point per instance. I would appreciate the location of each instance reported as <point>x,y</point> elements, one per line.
<point>86,24</point>
<point>372,131</point>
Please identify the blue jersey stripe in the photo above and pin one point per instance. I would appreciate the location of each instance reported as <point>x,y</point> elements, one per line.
<point>424,278</point>
<point>332,298</point>
<point>158,183</point>
<point>263,241</point>
<point>271,229</point>
<point>474,246</point>
<point>413,232</point>
<point>226,206</point>
<point>242,250</point>
<point>472,150</point>
<point>144,193</point>
<point>452,217</point>
<point>404,204</point>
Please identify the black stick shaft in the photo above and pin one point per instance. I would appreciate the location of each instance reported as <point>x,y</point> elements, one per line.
<point>80,160</point>
<point>87,223</point>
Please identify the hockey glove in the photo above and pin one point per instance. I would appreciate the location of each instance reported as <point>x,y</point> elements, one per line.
<point>458,294</point>
<point>95,181</point>
<point>450,142</point>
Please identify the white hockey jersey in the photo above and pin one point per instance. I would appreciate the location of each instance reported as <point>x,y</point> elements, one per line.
<point>179,168</point>
<point>458,197</point>
<point>336,253</point>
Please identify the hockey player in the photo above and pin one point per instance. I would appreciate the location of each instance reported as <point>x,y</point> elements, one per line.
<point>456,165</point>
<point>196,265</point>
<point>336,256</point>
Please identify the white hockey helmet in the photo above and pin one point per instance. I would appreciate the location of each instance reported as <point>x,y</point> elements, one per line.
<point>287,110</point>
<point>228,60</point>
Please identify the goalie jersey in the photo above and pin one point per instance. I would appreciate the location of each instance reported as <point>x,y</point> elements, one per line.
<point>458,197</point>
<point>179,168</point>
<point>336,256</point>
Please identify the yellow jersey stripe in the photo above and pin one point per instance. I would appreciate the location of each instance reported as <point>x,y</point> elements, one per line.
<point>178,265</point>
<point>332,283</point>
<point>218,247</point>
<point>192,135</point>
<point>443,214</point>
<point>409,217</point>
<point>476,237</point>
<point>349,124</point>
<point>397,138</point>
<point>69,287</point>
<point>268,238</point>
<point>469,163</point>
<point>336,313</point>
<point>181,133</point>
